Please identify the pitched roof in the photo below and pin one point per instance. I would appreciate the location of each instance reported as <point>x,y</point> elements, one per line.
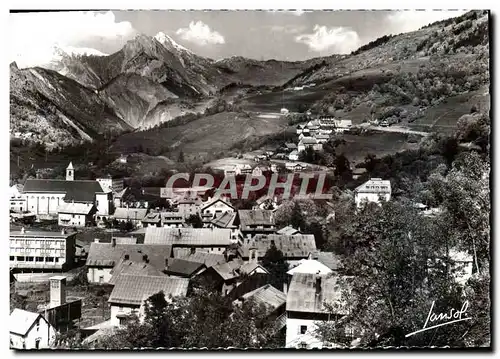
<point>374,185</point>
<point>250,267</point>
<point>171,217</point>
<point>308,141</point>
<point>70,166</point>
<point>303,297</point>
<point>182,267</point>
<point>21,321</point>
<point>130,213</point>
<point>267,295</point>
<point>105,255</point>
<point>297,246</point>
<point>152,218</point>
<point>75,208</point>
<point>209,259</point>
<point>135,289</point>
<point>329,259</point>
<point>310,266</point>
<point>214,201</point>
<point>136,268</point>
<point>294,153</point>
<point>211,237</point>
<point>288,230</point>
<point>228,270</point>
<point>252,217</point>
<point>224,220</point>
<point>290,145</point>
<point>78,191</point>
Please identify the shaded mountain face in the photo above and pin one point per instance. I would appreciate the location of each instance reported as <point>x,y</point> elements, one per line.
<point>57,110</point>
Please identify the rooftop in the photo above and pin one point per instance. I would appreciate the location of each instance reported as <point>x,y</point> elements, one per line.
<point>255,217</point>
<point>107,255</point>
<point>40,234</point>
<point>224,220</point>
<point>183,267</point>
<point>209,259</point>
<point>78,190</point>
<point>130,213</point>
<point>135,268</point>
<point>310,266</point>
<point>303,296</point>
<point>76,208</point>
<point>21,321</point>
<point>267,295</point>
<point>288,231</point>
<point>135,289</point>
<point>329,259</point>
<point>188,236</point>
<point>297,246</point>
<point>374,185</point>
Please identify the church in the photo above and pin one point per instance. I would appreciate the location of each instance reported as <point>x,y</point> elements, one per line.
<point>45,196</point>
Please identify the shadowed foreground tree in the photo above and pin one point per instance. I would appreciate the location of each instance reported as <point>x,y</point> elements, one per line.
<point>275,263</point>
<point>203,320</point>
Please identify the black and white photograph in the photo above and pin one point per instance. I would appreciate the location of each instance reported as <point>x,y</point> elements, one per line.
<point>249,179</point>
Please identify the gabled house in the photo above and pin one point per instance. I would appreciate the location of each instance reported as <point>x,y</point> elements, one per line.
<point>16,198</point>
<point>256,221</point>
<point>76,214</point>
<point>216,206</point>
<point>30,330</point>
<point>342,125</point>
<point>228,221</point>
<point>212,240</point>
<point>294,247</point>
<point>305,305</point>
<point>309,142</point>
<point>172,219</point>
<point>134,215</point>
<point>246,170</point>
<point>152,219</point>
<point>131,291</point>
<point>103,257</point>
<point>374,190</point>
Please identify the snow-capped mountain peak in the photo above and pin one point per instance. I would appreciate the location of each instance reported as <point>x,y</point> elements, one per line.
<point>164,39</point>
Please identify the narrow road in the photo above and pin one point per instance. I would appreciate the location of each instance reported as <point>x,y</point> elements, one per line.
<point>398,129</point>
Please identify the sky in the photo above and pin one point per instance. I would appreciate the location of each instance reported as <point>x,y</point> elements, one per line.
<point>262,35</point>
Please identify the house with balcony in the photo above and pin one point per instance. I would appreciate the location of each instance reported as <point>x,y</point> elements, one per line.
<point>375,190</point>
<point>256,221</point>
<point>76,214</point>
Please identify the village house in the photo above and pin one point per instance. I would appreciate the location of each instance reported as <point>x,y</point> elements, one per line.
<point>294,155</point>
<point>103,257</point>
<point>41,250</point>
<point>342,125</point>
<point>131,291</point>
<point>76,214</point>
<point>109,183</point>
<point>172,219</point>
<point>305,305</point>
<point>294,167</point>
<point>189,206</point>
<point>322,138</point>
<point>374,190</point>
<point>134,267</point>
<point>258,171</point>
<point>289,231</point>
<point>294,248</point>
<point>300,128</point>
<point>212,240</point>
<point>133,215</point>
<point>309,266</point>
<point>311,142</point>
<point>44,196</point>
<point>16,198</point>
<point>30,330</point>
<point>216,206</point>
<point>271,298</point>
<point>256,221</point>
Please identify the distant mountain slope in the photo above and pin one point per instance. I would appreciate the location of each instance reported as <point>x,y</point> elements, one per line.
<point>56,109</point>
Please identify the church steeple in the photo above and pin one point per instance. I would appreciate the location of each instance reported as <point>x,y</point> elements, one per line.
<point>70,172</point>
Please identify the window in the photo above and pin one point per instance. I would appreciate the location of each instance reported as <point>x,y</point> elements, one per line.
<point>303,345</point>
<point>37,344</point>
<point>38,326</point>
<point>57,259</point>
<point>303,329</point>
<point>101,279</point>
<point>39,259</point>
<point>30,259</point>
<point>122,321</point>
<point>49,259</point>
<point>11,258</point>
<point>20,258</point>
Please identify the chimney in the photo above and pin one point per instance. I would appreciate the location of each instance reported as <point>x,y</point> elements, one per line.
<point>145,258</point>
<point>22,230</point>
<point>180,232</point>
<point>63,231</point>
<point>96,240</point>
<point>318,285</point>
<point>166,262</point>
<point>113,242</point>
<point>57,291</point>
